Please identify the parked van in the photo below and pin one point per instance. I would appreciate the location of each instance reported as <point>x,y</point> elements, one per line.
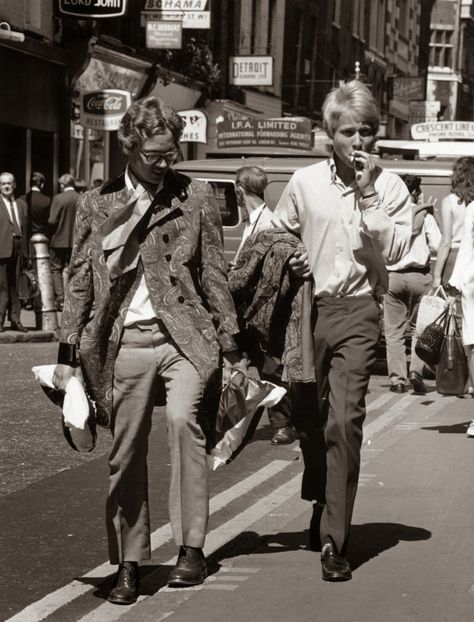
<point>220,174</point>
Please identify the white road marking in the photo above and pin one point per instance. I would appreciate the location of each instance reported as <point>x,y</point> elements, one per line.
<point>44,607</point>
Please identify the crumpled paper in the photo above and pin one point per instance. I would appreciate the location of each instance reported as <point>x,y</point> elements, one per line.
<point>241,399</point>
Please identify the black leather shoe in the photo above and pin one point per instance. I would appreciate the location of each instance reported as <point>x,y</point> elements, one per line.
<point>315,526</point>
<point>417,383</point>
<point>190,569</point>
<point>283,436</point>
<point>398,388</point>
<point>125,591</point>
<point>18,326</point>
<point>334,566</point>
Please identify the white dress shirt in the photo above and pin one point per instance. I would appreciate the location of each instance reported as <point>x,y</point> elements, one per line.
<point>13,211</point>
<point>250,227</point>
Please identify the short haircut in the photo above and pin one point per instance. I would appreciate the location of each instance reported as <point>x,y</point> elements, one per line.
<point>146,118</point>
<point>8,173</point>
<point>67,180</point>
<point>462,180</point>
<point>354,97</point>
<point>252,179</point>
<point>37,179</point>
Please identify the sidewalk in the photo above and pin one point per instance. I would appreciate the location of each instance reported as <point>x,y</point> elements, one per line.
<point>411,547</point>
<point>33,335</point>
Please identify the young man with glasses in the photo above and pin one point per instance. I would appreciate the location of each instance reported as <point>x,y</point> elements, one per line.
<point>353,218</point>
<point>148,253</point>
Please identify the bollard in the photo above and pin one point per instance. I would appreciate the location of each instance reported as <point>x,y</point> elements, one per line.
<point>49,318</point>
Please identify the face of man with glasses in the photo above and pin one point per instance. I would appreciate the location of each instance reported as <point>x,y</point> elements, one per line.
<point>150,161</point>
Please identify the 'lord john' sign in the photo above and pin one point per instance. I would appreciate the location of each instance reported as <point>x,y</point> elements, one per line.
<point>285,132</point>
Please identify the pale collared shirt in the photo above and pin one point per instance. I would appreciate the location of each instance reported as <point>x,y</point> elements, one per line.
<point>421,247</point>
<point>140,310</point>
<point>12,210</point>
<point>349,239</point>
<point>254,217</point>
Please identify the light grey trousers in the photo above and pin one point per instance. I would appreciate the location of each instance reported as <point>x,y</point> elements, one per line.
<point>144,356</point>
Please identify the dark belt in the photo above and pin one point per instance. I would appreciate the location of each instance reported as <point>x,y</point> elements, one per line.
<point>421,269</point>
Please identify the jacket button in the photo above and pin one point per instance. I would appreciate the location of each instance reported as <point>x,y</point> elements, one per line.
<point>172,280</point>
<point>166,238</point>
<point>168,257</point>
<point>181,299</point>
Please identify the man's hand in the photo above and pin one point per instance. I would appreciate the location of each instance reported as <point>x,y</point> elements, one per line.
<point>365,171</point>
<point>63,374</point>
<point>419,213</point>
<point>299,263</point>
<point>234,361</point>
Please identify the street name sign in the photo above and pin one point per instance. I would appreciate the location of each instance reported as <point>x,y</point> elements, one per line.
<point>463,130</point>
<point>284,132</point>
<point>251,70</point>
<point>103,110</point>
<point>189,19</point>
<point>92,8</point>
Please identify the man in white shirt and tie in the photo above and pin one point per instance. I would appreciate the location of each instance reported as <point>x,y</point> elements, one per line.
<point>13,250</point>
<point>250,184</point>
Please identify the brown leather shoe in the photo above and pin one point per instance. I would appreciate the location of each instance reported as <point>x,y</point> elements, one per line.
<point>125,591</point>
<point>334,566</point>
<point>419,387</point>
<point>18,326</point>
<point>399,387</point>
<point>190,569</point>
<point>283,436</point>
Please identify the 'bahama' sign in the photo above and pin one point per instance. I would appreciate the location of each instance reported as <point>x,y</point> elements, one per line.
<point>285,132</point>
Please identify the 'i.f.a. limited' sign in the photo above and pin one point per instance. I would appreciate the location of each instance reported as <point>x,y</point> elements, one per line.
<point>92,8</point>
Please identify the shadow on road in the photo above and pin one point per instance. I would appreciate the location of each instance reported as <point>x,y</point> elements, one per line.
<point>455,428</point>
<point>371,539</point>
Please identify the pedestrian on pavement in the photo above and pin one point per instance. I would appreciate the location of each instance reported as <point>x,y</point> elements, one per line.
<point>353,219</point>
<point>250,184</point>
<point>13,250</point>
<point>61,222</point>
<point>462,279</point>
<point>38,206</point>
<point>148,254</point>
<point>451,216</point>
<point>409,280</point>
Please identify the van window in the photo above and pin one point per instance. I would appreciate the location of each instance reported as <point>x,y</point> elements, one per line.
<point>224,193</point>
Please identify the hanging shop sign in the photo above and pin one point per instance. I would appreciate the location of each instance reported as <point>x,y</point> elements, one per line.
<point>405,89</point>
<point>92,8</point>
<point>195,130</point>
<point>419,112</point>
<point>192,13</point>
<point>289,132</point>
<point>103,110</point>
<point>463,130</point>
<point>251,70</point>
<point>164,35</point>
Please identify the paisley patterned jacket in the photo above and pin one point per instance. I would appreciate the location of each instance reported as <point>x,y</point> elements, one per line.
<point>182,257</point>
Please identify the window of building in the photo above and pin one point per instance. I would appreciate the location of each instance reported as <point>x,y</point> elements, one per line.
<point>33,11</point>
<point>403,17</point>
<point>441,48</point>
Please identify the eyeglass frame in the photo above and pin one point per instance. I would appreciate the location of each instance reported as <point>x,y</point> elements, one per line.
<point>169,157</point>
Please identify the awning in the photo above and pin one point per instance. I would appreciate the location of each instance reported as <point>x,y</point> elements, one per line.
<point>111,68</point>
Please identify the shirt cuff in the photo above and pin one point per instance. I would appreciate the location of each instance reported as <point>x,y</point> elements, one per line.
<point>67,354</point>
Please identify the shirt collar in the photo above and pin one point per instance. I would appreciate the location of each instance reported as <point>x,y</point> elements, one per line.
<point>131,187</point>
<point>253,217</point>
<point>68,188</point>
<point>352,187</point>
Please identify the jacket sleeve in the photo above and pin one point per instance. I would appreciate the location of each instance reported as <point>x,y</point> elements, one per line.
<point>214,281</point>
<point>54,213</point>
<point>79,294</point>
<point>387,219</point>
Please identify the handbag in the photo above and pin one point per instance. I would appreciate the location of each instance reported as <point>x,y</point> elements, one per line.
<point>428,345</point>
<point>452,371</point>
<point>431,306</point>
<point>27,285</point>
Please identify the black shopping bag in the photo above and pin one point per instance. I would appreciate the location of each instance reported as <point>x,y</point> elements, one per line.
<point>452,371</point>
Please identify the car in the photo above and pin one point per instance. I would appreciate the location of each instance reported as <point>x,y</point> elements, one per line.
<point>220,174</point>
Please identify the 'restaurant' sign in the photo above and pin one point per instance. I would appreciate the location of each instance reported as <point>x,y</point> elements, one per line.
<point>103,110</point>
<point>443,129</point>
<point>93,8</point>
<point>286,132</point>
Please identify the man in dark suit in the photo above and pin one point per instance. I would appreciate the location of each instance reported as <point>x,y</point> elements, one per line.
<point>38,206</point>
<point>13,250</point>
<point>61,221</point>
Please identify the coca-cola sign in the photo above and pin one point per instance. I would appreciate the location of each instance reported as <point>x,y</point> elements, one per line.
<point>103,110</point>
<point>92,8</point>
